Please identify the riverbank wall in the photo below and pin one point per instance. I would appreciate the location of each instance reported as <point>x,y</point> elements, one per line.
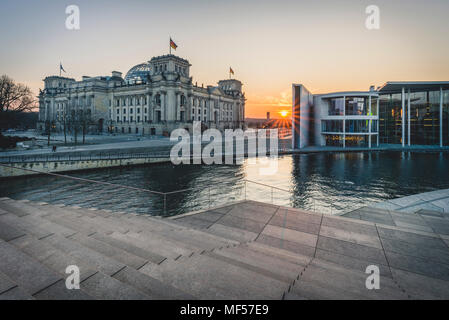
<point>38,167</point>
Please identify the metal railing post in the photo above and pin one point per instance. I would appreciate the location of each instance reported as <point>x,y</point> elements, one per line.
<point>165,203</point>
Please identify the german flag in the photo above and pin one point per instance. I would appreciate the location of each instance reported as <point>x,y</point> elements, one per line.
<point>231,71</point>
<point>173,44</point>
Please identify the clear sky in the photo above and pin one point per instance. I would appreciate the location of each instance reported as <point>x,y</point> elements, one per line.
<point>322,44</point>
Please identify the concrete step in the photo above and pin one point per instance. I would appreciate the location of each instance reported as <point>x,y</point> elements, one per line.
<point>8,231</point>
<point>118,240</point>
<point>209,278</point>
<point>315,291</point>
<point>258,262</point>
<point>327,275</point>
<point>286,255</point>
<point>24,225</point>
<point>59,291</point>
<point>31,275</point>
<point>154,288</point>
<point>235,234</point>
<point>90,218</point>
<point>159,246</point>
<point>16,293</point>
<point>52,257</point>
<point>93,258</point>
<point>110,251</point>
<point>104,287</point>
<point>49,226</point>
<point>13,207</point>
<point>74,224</point>
<point>6,283</point>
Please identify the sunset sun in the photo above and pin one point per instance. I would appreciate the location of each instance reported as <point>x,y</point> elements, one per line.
<point>283,113</point>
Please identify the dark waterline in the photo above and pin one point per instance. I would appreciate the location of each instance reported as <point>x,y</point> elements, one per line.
<point>328,182</point>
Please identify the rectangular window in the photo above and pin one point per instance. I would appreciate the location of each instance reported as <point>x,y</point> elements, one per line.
<point>356,106</point>
<point>357,126</point>
<point>124,119</point>
<point>336,107</point>
<point>138,118</point>
<point>118,118</point>
<point>138,110</point>
<point>332,126</point>
<point>131,119</point>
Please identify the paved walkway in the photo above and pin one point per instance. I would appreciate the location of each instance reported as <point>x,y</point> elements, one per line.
<point>247,250</point>
<point>434,201</point>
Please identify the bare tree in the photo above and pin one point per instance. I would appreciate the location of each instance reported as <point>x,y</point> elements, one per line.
<point>15,98</point>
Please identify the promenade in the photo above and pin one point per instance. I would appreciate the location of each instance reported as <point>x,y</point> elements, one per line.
<point>246,250</point>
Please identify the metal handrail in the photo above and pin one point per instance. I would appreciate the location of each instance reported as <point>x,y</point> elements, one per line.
<point>164,194</point>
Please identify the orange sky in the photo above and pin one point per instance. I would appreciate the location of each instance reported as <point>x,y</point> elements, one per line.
<point>269,44</point>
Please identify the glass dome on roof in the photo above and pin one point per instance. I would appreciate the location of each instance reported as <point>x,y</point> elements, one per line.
<point>138,73</point>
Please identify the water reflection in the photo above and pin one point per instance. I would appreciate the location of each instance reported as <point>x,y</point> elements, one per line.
<point>330,183</point>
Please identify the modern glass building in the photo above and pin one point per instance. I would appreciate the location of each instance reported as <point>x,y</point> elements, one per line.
<point>401,113</point>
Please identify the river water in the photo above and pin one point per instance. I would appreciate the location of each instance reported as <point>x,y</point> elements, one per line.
<point>326,182</point>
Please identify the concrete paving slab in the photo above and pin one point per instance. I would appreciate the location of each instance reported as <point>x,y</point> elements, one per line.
<point>232,233</point>
<point>125,242</point>
<point>101,286</point>
<point>16,293</point>
<point>240,223</point>
<point>9,232</point>
<point>110,251</point>
<point>418,265</point>
<point>287,221</point>
<point>5,283</point>
<point>152,287</point>
<point>206,279</point>
<point>416,250</point>
<point>350,262</point>
<point>373,255</point>
<point>59,291</point>
<point>91,257</point>
<point>28,273</point>
<point>290,235</point>
<point>294,247</point>
<point>351,236</point>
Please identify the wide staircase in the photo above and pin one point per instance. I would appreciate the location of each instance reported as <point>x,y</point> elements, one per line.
<point>128,256</point>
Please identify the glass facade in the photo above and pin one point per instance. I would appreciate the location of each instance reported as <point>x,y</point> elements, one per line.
<point>357,106</point>
<point>332,126</point>
<point>357,126</point>
<point>424,118</point>
<point>390,118</point>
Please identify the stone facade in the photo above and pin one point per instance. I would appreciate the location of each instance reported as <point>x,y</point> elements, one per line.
<point>154,98</point>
